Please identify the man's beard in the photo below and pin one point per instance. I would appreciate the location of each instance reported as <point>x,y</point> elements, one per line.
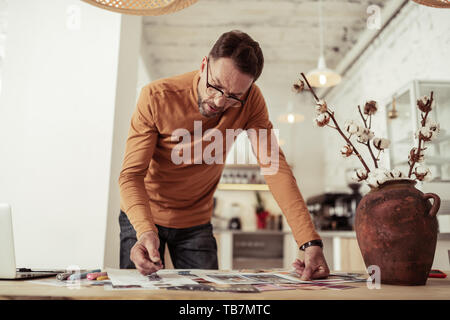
<point>206,113</point>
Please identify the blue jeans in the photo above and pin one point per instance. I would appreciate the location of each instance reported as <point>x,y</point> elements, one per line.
<point>189,248</point>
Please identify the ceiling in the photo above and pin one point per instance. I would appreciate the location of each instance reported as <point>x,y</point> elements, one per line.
<point>287,31</point>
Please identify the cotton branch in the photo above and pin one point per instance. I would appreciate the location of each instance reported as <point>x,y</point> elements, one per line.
<point>375,160</point>
<point>331,114</point>
<point>419,146</point>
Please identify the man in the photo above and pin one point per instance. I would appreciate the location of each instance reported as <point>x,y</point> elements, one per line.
<point>171,202</point>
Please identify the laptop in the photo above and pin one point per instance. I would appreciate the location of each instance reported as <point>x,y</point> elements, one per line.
<point>7,255</point>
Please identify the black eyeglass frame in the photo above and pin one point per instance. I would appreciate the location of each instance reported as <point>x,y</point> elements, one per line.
<point>208,85</point>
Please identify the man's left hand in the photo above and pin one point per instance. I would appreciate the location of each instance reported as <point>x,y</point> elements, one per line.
<point>314,266</point>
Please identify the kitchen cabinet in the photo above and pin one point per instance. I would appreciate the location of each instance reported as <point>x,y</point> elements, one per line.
<point>251,249</point>
<point>403,120</point>
<point>341,250</point>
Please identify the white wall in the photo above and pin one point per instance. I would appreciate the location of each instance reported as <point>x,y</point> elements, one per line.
<point>414,46</point>
<point>56,128</point>
<point>129,73</point>
<point>3,10</point>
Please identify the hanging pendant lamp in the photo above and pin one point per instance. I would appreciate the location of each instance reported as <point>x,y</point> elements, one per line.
<point>142,7</point>
<point>322,77</point>
<point>435,3</point>
<point>290,116</point>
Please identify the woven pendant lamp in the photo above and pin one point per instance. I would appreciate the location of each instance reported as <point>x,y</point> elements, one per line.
<point>142,7</point>
<point>435,3</point>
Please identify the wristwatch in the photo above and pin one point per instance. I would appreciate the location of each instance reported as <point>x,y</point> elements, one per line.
<point>312,243</point>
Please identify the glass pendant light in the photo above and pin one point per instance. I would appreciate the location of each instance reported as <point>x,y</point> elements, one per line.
<point>290,116</point>
<point>322,76</point>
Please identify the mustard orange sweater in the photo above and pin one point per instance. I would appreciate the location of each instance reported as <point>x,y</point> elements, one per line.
<point>155,190</point>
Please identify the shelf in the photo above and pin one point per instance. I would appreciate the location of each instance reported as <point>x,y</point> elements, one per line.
<point>243,187</point>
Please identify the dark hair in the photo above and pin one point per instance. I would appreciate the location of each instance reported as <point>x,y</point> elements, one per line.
<point>242,49</point>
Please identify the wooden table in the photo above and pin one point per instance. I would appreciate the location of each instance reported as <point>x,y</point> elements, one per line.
<point>435,289</point>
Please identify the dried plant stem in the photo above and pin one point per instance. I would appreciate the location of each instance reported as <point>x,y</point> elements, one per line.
<point>419,146</point>
<point>331,113</point>
<point>364,119</point>
<point>375,160</point>
<point>310,88</point>
<point>348,141</point>
<point>378,155</point>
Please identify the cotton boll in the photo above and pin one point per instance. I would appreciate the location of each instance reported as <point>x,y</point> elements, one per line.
<point>372,182</point>
<point>298,86</point>
<point>425,133</point>
<point>371,107</point>
<point>355,177</point>
<point>362,173</point>
<point>422,173</point>
<point>428,177</point>
<point>359,175</point>
<point>364,135</point>
<point>377,177</point>
<point>321,106</point>
<point>381,143</point>
<point>382,178</point>
<point>395,174</point>
<point>346,151</point>
<point>413,156</point>
<point>351,127</point>
<point>423,104</point>
<point>433,126</point>
<point>322,119</point>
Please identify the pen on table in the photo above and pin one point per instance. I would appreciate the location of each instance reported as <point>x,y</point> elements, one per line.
<point>95,275</point>
<point>64,275</point>
<point>78,276</point>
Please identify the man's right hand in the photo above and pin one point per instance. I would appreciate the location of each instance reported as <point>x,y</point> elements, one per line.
<point>145,254</point>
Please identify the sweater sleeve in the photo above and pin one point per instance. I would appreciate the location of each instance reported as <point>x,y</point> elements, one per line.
<point>140,145</point>
<point>277,172</point>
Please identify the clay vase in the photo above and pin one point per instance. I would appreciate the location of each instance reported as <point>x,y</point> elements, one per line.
<point>396,228</point>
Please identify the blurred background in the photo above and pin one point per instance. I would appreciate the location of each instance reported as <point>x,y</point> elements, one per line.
<point>71,72</point>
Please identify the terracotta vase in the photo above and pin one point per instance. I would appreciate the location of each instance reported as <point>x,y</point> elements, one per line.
<point>396,228</point>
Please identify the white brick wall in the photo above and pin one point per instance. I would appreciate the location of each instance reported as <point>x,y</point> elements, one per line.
<point>416,45</point>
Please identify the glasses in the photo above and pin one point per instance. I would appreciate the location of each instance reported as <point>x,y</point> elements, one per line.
<point>229,99</point>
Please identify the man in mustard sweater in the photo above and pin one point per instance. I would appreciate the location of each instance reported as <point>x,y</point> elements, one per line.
<point>168,179</point>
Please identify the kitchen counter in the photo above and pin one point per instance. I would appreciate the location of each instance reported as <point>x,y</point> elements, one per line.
<point>341,248</point>
<point>352,234</point>
<point>324,234</point>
